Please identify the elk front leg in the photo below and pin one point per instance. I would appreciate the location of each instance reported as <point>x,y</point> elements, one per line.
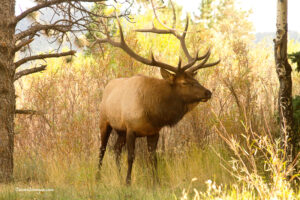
<point>130,140</point>
<point>152,145</point>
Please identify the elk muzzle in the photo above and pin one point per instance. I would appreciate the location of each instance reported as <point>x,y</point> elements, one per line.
<point>207,96</point>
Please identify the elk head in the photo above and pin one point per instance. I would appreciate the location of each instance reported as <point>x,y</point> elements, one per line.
<point>186,86</point>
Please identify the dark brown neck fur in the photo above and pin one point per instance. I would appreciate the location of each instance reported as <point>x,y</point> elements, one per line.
<point>162,105</point>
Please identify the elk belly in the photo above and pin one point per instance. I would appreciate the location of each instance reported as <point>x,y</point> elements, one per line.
<point>143,128</point>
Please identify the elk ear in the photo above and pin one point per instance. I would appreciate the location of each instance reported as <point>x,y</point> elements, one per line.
<point>167,75</point>
<point>194,74</point>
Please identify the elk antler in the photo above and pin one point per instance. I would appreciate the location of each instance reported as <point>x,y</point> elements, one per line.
<point>123,45</point>
<point>181,37</point>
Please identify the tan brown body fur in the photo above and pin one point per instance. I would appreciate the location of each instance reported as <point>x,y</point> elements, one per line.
<point>142,104</point>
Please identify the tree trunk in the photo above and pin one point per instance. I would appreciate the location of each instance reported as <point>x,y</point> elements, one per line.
<point>284,70</point>
<point>7,90</point>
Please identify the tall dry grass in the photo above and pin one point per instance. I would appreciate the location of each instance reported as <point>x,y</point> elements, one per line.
<point>59,148</point>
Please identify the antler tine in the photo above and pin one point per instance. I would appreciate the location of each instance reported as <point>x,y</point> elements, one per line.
<point>179,65</point>
<point>200,64</point>
<point>153,61</point>
<point>173,31</point>
<point>121,31</point>
<point>182,41</point>
<point>123,45</point>
<point>186,26</point>
<point>190,64</point>
<point>174,14</point>
<point>156,63</point>
<point>197,58</point>
<point>205,55</point>
<point>208,65</point>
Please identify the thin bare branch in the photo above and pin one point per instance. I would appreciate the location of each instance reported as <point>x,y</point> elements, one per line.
<point>43,56</point>
<point>39,27</point>
<point>26,72</point>
<point>46,4</point>
<point>28,112</point>
<point>22,44</point>
<point>31,113</point>
<point>155,30</point>
<point>97,15</point>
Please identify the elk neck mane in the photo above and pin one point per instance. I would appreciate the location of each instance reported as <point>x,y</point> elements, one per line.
<point>162,105</point>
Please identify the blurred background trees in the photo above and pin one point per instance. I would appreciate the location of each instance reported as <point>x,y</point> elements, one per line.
<point>243,109</point>
<point>60,21</point>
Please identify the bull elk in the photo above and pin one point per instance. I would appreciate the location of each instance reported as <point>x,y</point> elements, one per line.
<point>140,106</point>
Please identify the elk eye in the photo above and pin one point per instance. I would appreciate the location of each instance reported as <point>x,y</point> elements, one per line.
<point>185,83</point>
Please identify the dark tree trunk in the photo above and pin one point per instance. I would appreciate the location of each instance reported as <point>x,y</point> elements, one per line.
<point>7,90</point>
<point>10,42</point>
<point>284,70</point>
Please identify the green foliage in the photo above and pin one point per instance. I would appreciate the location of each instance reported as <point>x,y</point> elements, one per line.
<point>97,30</point>
<point>244,88</point>
<point>295,58</point>
<point>296,110</point>
<point>206,13</point>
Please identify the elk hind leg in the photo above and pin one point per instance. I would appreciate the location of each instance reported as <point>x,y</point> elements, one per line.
<point>130,140</point>
<point>105,130</point>
<point>152,145</point>
<point>121,140</point>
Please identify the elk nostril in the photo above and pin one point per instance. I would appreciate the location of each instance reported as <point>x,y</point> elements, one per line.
<point>207,93</point>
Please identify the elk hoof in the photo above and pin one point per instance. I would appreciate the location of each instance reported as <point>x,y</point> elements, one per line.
<point>128,182</point>
<point>98,176</point>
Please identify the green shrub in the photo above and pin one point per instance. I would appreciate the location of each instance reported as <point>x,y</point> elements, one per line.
<point>296,113</point>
